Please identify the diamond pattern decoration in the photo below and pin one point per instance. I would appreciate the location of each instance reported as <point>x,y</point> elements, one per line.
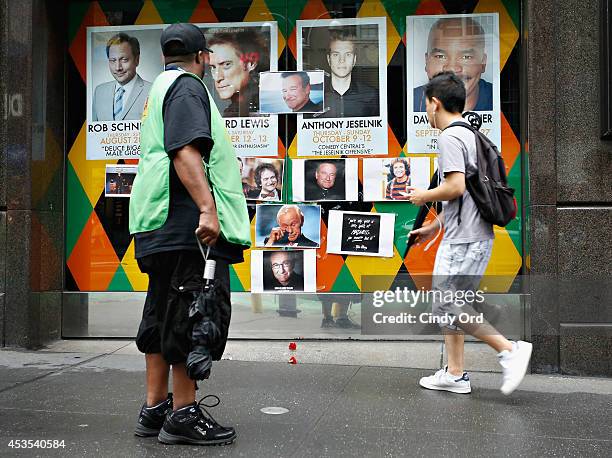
<point>119,12</point>
<point>397,12</point>
<point>419,262</point>
<point>314,9</point>
<point>504,264</point>
<point>259,12</point>
<point>137,279</point>
<point>78,209</point>
<point>373,8</point>
<point>203,13</point>
<point>508,33</point>
<point>344,283</point>
<point>405,214</point>
<point>430,7</point>
<point>510,147</point>
<point>78,47</point>
<point>328,265</point>
<point>364,265</point>
<point>149,14</point>
<point>120,281</point>
<point>172,11</point>
<point>91,173</point>
<point>93,259</point>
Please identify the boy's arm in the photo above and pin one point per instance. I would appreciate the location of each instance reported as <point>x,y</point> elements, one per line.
<point>452,187</point>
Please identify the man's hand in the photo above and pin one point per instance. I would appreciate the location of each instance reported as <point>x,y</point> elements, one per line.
<point>426,232</point>
<point>208,228</point>
<point>275,235</point>
<point>417,196</point>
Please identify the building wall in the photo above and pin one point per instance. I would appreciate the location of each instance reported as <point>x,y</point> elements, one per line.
<point>570,190</point>
<point>31,171</point>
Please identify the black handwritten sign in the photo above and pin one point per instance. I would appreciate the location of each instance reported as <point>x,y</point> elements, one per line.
<point>360,233</point>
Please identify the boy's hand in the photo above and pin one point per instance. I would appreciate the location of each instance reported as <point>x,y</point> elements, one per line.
<point>417,196</point>
<point>426,232</point>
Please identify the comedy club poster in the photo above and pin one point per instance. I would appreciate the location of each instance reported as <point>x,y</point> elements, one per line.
<point>240,52</point>
<point>122,62</point>
<point>467,44</point>
<point>353,53</point>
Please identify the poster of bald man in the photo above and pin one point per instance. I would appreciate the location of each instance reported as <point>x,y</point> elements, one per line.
<point>297,226</point>
<point>122,62</point>
<point>353,54</point>
<point>241,52</point>
<point>317,180</point>
<point>466,44</point>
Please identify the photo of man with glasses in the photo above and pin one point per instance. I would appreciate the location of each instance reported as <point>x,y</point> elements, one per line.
<point>280,270</point>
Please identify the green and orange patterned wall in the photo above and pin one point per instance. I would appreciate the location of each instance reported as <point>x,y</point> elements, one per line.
<point>99,249</point>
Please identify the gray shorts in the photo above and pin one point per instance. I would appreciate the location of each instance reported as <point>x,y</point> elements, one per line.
<point>458,269</point>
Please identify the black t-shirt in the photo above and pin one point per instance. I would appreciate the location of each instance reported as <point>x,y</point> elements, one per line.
<point>186,114</point>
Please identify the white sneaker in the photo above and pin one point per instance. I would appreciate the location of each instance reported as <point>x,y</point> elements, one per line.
<point>443,381</point>
<point>514,365</point>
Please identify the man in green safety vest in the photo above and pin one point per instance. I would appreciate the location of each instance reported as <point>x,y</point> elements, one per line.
<point>188,184</point>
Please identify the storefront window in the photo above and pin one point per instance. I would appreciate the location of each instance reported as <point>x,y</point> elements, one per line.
<point>367,128</point>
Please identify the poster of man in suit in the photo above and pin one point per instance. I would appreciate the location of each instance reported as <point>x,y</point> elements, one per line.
<point>121,64</point>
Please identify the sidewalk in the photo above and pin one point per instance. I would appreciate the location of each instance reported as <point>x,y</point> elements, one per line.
<point>344,399</point>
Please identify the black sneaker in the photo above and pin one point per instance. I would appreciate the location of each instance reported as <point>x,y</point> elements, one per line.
<point>151,419</point>
<point>346,323</point>
<point>328,323</point>
<point>288,313</point>
<point>194,425</point>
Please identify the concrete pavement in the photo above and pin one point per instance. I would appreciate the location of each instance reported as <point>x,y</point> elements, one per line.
<point>344,399</point>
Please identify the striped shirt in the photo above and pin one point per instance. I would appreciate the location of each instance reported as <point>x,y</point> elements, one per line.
<point>396,190</point>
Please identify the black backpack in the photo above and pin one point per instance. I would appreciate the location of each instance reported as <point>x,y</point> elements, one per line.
<point>488,185</point>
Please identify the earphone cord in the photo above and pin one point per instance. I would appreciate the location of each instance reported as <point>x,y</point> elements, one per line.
<point>432,241</point>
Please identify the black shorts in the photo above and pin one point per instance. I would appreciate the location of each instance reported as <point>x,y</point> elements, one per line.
<point>173,277</point>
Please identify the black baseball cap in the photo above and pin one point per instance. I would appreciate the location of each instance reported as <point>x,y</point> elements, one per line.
<point>188,35</point>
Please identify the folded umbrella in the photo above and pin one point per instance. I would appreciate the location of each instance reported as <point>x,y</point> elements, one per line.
<point>209,316</point>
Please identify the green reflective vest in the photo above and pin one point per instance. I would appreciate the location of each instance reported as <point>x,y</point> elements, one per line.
<point>150,196</point>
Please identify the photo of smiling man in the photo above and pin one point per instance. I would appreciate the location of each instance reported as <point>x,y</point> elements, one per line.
<point>291,92</point>
<point>457,44</point>
<point>121,62</point>
<point>123,98</point>
<point>291,225</point>
<point>268,183</point>
<point>467,45</point>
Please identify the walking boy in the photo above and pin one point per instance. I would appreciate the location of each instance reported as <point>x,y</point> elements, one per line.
<point>466,245</point>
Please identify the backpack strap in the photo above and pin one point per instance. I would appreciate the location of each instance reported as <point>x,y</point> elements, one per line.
<point>465,160</point>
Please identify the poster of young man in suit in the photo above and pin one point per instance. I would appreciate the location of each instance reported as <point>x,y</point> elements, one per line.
<point>353,53</point>
<point>240,52</point>
<point>467,44</point>
<point>122,62</point>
